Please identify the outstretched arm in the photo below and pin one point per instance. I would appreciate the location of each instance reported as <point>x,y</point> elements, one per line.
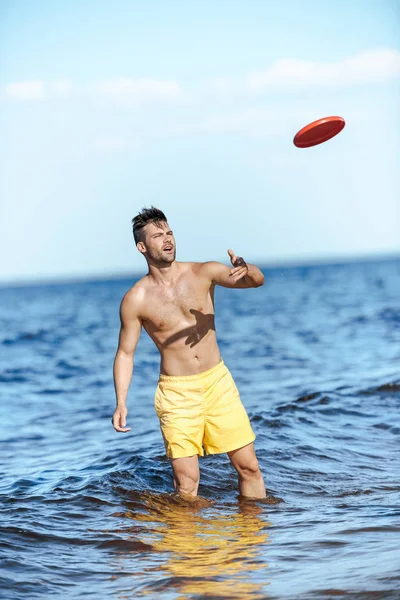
<point>242,275</point>
<point>123,364</point>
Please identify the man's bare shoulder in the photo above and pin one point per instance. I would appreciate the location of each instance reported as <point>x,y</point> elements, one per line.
<point>133,299</point>
<point>207,269</point>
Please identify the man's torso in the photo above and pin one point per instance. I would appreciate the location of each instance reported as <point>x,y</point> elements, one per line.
<point>179,318</point>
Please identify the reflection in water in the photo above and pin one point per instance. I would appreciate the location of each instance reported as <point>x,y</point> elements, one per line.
<point>206,552</point>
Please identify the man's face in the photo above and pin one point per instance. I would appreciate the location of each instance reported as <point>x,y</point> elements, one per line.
<point>159,243</point>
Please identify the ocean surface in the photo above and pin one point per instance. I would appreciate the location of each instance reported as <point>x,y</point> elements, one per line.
<point>89,513</point>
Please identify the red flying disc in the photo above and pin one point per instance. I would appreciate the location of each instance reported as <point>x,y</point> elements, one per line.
<point>318,132</point>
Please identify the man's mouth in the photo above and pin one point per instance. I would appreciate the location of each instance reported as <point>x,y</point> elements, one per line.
<point>168,248</point>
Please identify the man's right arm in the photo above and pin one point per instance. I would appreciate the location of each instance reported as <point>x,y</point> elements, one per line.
<point>123,364</point>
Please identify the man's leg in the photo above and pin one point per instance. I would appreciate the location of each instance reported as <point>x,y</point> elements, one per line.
<point>251,483</point>
<point>186,474</point>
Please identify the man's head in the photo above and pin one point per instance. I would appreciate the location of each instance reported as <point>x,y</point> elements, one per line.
<point>153,237</point>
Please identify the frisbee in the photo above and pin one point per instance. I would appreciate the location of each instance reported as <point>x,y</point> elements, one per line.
<point>318,132</point>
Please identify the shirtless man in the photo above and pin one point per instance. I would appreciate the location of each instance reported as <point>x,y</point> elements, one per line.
<point>196,400</point>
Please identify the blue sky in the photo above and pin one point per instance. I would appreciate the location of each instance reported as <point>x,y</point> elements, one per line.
<point>106,107</point>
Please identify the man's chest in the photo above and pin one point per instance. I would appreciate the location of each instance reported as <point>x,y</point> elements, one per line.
<point>166,307</point>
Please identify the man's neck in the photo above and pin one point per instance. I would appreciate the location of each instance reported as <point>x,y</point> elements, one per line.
<point>165,275</point>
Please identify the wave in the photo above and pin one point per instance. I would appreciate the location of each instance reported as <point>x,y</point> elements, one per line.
<point>27,336</point>
<point>392,387</point>
<point>17,375</point>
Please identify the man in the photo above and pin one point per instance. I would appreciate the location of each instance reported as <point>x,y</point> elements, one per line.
<point>196,400</point>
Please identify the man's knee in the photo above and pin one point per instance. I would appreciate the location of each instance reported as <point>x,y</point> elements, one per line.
<point>249,470</point>
<point>187,483</point>
<point>186,475</point>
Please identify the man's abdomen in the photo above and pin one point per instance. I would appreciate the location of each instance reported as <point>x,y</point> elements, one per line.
<point>190,354</point>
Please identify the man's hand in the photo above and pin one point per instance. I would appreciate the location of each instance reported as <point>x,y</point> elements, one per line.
<point>240,269</point>
<point>119,419</point>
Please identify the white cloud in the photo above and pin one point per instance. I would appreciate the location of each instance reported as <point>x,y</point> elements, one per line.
<point>123,90</point>
<point>37,90</point>
<point>128,91</point>
<point>373,66</point>
<point>25,90</point>
<point>370,66</point>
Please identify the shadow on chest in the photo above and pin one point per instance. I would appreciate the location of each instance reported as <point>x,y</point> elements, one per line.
<point>169,306</point>
<point>181,313</point>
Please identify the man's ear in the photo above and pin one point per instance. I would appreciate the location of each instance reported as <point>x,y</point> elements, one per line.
<point>141,247</point>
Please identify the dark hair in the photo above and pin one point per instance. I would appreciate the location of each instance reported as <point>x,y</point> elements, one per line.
<point>146,216</point>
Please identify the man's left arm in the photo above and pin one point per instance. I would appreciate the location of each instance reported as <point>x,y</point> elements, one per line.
<point>241,275</point>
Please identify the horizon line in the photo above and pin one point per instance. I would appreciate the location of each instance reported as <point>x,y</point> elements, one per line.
<point>270,265</point>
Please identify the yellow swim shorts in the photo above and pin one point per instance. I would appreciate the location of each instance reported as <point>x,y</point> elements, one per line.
<point>201,411</point>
